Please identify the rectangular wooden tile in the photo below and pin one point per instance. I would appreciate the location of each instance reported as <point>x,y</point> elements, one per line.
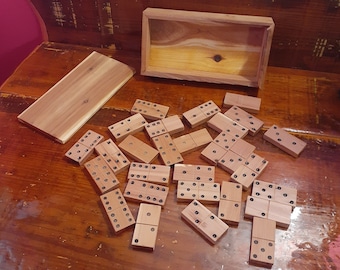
<point>154,173</point>
<point>247,103</point>
<point>149,110</point>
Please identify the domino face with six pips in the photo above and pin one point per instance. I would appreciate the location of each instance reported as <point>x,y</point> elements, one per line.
<point>202,191</point>
<point>146,228</point>
<point>284,140</point>
<point>247,120</point>
<point>138,150</point>
<point>154,173</point>
<point>128,126</point>
<point>149,110</point>
<point>101,174</point>
<point>189,172</point>
<point>204,221</point>
<point>113,156</point>
<point>117,210</point>
<point>200,114</point>
<point>172,124</point>
<point>141,191</point>
<point>167,149</point>
<point>84,147</point>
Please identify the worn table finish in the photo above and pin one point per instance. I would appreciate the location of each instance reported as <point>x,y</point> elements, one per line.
<point>51,217</point>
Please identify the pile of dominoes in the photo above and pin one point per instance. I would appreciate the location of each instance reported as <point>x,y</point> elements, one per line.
<point>269,205</point>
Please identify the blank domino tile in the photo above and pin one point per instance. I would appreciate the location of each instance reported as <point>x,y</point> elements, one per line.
<point>244,176</point>
<point>138,150</point>
<point>245,119</point>
<point>141,191</point>
<point>112,155</point>
<point>158,174</point>
<point>146,228</point>
<point>247,103</point>
<point>167,149</point>
<point>284,140</point>
<point>83,148</point>
<point>263,228</point>
<point>117,210</point>
<point>202,191</point>
<point>200,114</point>
<point>242,148</point>
<point>220,122</point>
<point>172,124</point>
<point>229,208</point>
<point>192,141</point>
<point>281,213</point>
<point>188,172</point>
<point>128,126</point>
<point>149,109</point>
<point>101,174</point>
<point>204,221</point>
<point>256,207</point>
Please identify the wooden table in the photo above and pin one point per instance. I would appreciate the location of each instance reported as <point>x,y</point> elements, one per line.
<point>51,216</point>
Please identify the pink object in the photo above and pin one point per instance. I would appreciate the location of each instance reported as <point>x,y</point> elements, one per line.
<point>21,31</point>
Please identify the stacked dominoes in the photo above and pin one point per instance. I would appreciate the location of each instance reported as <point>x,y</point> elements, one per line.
<point>148,183</point>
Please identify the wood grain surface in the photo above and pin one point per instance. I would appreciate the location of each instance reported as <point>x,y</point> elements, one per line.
<point>51,214</point>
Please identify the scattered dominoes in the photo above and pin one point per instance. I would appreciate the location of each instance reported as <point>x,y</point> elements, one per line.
<point>247,120</point>
<point>220,122</point>
<point>201,113</point>
<point>284,140</point>
<point>149,110</point>
<point>128,126</point>
<point>112,155</point>
<point>204,221</point>
<point>202,191</point>
<point>172,124</point>
<point>101,174</point>
<point>117,210</point>
<point>141,191</point>
<point>83,148</point>
<point>192,141</point>
<point>262,247</point>
<point>158,174</point>
<point>247,103</point>
<point>229,208</point>
<point>199,173</point>
<point>146,228</point>
<point>167,149</point>
<point>138,150</point>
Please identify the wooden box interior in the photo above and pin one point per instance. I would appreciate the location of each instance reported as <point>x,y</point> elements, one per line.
<point>211,47</point>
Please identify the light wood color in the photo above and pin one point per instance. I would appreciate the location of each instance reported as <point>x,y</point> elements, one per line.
<point>172,124</point>
<point>149,110</point>
<point>154,173</point>
<point>192,141</point>
<point>189,172</point>
<point>168,151</point>
<point>70,103</point>
<point>247,103</point>
<point>202,46</point>
<point>244,176</point>
<point>205,192</point>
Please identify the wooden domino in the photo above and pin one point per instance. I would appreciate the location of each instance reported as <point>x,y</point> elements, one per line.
<point>138,150</point>
<point>101,174</point>
<point>247,103</point>
<point>202,191</point>
<point>256,207</point>
<point>229,208</point>
<point>114,157</point>
<point>154,173</point>
<point>242,148</point>
<point>188,172</point>
<point>117,210</point>
<point>192,141</point>
<point>146,228</point>
<point>256,163</point>
<point>84,147</point>
<point>212,153</point>
<point>172,124</point>
<point>280,212</point>
<point>263,190</point>
<point>244,176</point>
<point>262,247</point>
<point>284,140</point>
<point>225,140</point>
<point>204,221</point>
<point>167,149</point>
<point>230,162</point>
<point>201,114</point>
<point>220,122</point>
<point>141,191</point>
<point>247,120</point>
<point>128,126</point>
<point>149,110</point>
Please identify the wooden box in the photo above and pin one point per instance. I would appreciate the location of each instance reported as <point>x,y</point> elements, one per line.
<point>210,47</point>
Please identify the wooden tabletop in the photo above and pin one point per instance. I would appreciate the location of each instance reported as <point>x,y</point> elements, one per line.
<point>51,215</point>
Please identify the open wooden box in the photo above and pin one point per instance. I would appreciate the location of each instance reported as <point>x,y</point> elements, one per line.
<point>210,47</point>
